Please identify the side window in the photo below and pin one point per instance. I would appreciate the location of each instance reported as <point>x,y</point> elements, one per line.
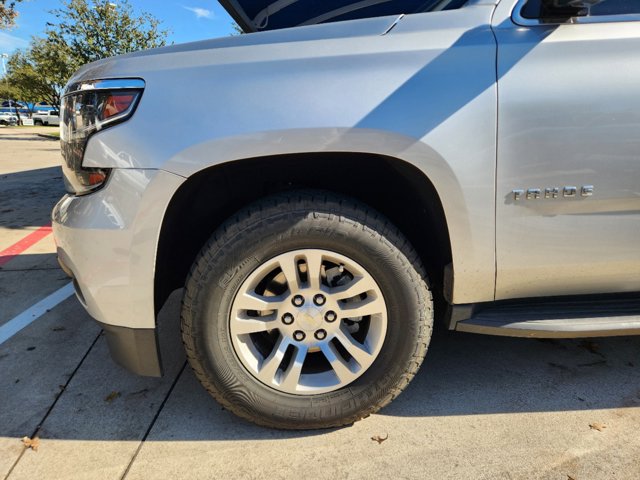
<point>615,7</point>
<point>563,10</point>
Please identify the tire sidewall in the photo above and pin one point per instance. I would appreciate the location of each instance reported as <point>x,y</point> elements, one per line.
<point>223,272</point>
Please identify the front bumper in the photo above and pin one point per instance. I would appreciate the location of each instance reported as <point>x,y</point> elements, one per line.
<point>107,242</point>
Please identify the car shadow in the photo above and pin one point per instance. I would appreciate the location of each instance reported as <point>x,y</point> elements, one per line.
<point>469,374</point>
<point>463,374</point>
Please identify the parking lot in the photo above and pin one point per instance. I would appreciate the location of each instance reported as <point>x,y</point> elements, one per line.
<point>481,407</point>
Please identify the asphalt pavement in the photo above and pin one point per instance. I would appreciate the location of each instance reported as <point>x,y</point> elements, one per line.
<point>480,408</point>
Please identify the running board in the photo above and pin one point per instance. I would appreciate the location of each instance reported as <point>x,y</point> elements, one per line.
<point>557,319</point>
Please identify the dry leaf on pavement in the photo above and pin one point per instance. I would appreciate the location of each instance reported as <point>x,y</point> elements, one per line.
<point>379,439</point>
<point>32,443</point>
<point>597,426</point>
<point>112,396</point>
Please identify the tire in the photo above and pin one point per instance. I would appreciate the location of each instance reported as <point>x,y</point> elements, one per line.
<point>350,243</point>
<point>2,122</point>
<point>37,122</point>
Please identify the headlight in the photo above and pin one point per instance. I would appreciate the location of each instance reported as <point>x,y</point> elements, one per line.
<point>89,107</point>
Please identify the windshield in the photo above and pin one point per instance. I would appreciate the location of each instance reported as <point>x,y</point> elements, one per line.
<point>256,15</point>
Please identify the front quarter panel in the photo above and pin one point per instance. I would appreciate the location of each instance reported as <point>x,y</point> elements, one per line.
<point>423,93</point>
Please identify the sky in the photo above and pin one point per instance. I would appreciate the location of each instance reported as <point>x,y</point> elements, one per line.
<point>189,20</point>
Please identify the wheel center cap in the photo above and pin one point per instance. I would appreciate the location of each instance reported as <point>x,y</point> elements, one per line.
<point>309,318</point>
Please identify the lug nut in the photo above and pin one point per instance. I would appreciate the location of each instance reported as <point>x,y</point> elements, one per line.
<point>330,316</point>
<point>287,319</point>
<point>298,335</point>
<point>298,300</point>
<point>319,299</point>
<point>321,334</point>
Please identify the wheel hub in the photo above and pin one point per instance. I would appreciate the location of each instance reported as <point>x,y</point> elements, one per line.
<point>309,318</point>
<point>308,321</point>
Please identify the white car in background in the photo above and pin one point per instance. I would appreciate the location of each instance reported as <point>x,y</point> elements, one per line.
<point>46,118</point>
<point>8,118</point>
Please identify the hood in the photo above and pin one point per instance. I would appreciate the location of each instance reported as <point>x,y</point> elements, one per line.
<point>234,48</point>
<point>260,15</point>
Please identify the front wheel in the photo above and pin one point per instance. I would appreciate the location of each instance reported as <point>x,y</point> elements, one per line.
<point>306,310</point>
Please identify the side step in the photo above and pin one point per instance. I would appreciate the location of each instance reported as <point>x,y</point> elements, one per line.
<point>557,318</point>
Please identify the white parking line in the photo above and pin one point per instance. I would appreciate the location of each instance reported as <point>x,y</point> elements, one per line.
<point>17,323</point>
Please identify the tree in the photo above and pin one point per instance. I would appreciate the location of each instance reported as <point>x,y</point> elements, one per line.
<point>40,72</point>
<point>8,13</point>
<point>237,29</point>
<point>87,30</point>
<point>95,29</point>
<point>7,91</point>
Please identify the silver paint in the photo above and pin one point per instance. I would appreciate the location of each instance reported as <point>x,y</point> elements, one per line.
<point>569,113</point>
<point>423,92</point>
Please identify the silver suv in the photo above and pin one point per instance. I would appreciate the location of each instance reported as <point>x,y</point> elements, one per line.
<point>351,178</point>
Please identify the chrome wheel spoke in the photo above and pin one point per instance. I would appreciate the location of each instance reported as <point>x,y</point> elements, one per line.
<point>269,367</point>
<point>242,326</point>
<point>290,270</point>
<point>358,351</point>
<point>259,303</point>
<point>338,364</point>
<point>369,306</point>
<point>314,268</point>
<point>291,376</point>
<point>357,286</point>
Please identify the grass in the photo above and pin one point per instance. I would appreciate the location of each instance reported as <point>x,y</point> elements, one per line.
<point>52,134</point>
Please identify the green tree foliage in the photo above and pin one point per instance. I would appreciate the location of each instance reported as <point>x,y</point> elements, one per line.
<point>85,31</point>
<point>8,13</point>
<point>95,29</point>
<point>7,91</point>
<point>40,72</point>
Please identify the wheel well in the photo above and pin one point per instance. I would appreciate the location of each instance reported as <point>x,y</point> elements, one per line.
<point>393,187</point>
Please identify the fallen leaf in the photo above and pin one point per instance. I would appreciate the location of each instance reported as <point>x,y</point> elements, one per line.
<point>597,426</point>
<point>112,396</point>
<point>569,477</point>
<point>32,443</point>
<point>379,439</point>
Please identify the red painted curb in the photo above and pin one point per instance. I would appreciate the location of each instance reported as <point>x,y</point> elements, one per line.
<point>17,248</point>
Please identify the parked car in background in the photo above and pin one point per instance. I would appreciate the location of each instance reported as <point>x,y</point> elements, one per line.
<point>8,118</point>
<point>477,162</point>
<point>50,117</point>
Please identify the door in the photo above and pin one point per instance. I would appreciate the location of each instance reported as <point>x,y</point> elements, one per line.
<point>568,166</point>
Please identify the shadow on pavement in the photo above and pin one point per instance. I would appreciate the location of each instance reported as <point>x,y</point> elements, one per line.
<point>463,374</point>
<point>27,197</point>
<point>467,374</point>
<point>30,137</point>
